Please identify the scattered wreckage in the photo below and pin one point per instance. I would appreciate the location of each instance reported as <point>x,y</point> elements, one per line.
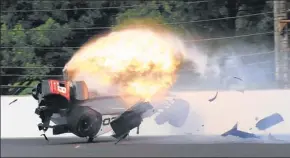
<point>263,124</point>
<point>73,109</point>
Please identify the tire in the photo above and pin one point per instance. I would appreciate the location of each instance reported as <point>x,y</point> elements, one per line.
<point>84,121</point>
<point>178,112</point>
<point>162,118</point>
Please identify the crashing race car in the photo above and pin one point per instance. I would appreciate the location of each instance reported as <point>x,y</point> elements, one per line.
<point>72,109</point>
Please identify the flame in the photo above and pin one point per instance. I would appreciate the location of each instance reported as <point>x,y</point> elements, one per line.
<point>139,61</point>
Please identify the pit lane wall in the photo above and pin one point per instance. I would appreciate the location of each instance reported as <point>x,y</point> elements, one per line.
<point>205,118</point>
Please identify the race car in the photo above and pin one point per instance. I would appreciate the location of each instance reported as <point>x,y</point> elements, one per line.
<point>73,109</point>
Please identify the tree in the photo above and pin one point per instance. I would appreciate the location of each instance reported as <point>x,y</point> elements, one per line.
<point>18,56</point>
<point>43,33</point>
<point>48,35</point>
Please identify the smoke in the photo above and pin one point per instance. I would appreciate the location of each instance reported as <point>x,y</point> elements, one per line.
<point>199,59</point>
<point>216,71</point>
<point>251,62</point>
<point>254,64</point>
<point>209,68</point>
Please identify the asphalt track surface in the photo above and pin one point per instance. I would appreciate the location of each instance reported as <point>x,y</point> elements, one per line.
<point>167,146</point>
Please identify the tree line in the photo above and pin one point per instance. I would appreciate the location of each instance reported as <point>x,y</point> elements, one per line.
<point>48,32</point>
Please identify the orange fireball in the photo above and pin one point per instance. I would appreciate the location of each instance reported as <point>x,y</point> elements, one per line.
<point>139,61</point>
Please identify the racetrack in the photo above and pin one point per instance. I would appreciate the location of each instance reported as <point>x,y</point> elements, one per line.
<point>149,146</point>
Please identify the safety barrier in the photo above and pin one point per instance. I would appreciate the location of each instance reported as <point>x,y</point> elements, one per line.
<point>205,118</point>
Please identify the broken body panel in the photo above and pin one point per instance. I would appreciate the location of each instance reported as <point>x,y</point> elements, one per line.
<point>237,133</point>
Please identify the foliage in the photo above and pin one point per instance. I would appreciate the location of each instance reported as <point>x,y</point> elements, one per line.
<point>42,38</point>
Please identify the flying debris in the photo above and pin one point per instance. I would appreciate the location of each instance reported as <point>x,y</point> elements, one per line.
<point>176,114</point>
<point>138,130</point>
<point>238,78</point>
<point>214,98</point>
<point>13,101</point>
<point>130,119</point>
<point>45,137</point>
<point>271,137</point>
<point>240,90</point>
<point>237,133</point>
<point>269,121</point>
<point>229,81</point>
<point>179,111</point>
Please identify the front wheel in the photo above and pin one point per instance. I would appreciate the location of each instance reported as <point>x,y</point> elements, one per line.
<point>84,121</point>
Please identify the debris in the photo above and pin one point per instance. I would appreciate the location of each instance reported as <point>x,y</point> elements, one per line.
<point>229,79</point>
<point>239,90</point>
<point>13,101</point>
<point>202,125</point>
<point>77,146</point>
<point>241,134</point>
<point>238,78</point>
<point>122,138</point>
<point>242,91</point>
<point>271,137</point>
<point>178,112</point>
<point>269,121</point>
<point>90,139</point>
<point>256,118</point>
<point>214,98</point>
<point>129,120</point>
<point>44,137</point>
<point>138,128</point>
<point>161,118</point>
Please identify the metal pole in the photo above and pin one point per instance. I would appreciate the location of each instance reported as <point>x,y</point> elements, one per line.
<point>280,39</point>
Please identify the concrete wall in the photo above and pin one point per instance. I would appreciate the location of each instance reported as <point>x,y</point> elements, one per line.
<point>231,107</point>
<point>19,120</point>
<point>206,118</point>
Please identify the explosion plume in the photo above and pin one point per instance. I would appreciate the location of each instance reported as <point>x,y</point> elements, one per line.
<point>140,61</point>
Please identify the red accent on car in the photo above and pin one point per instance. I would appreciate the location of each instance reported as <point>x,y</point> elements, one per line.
<point>55,88</point>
